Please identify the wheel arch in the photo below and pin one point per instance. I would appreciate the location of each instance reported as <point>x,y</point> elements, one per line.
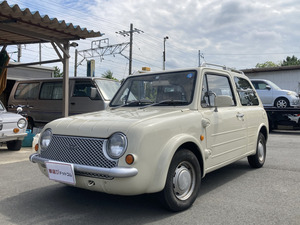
<point>175,144</point>
<point>264,131</point>
<point>281,97</point>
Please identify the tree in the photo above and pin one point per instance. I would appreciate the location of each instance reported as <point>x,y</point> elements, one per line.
<point>108,75</point>
<point>290,61</point>
<point>266,64</point>
<point>57,72</point>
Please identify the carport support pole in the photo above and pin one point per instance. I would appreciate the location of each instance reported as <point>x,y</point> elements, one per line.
<point>65,111</point>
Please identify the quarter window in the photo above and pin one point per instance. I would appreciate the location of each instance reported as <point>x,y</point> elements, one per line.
<point>27,91</point>
<point>246,93</point>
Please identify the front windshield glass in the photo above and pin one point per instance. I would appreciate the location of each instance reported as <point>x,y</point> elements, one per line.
<point>108,88</point>
<point>274,86</point>
<point>175,88</point>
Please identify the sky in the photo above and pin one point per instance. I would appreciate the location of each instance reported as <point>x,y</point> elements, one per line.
<point>234,33</point>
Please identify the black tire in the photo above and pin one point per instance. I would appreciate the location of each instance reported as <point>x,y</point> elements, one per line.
<point>30,123</point>
<point>281,103</point>
<point>183,181</point>
<point>14,145</point>
<point>258,160</point>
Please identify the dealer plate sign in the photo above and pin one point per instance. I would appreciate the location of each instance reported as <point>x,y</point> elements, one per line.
<point>61,172</point>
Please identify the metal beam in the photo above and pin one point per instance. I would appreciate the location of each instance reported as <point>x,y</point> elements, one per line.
<point>34,63</point>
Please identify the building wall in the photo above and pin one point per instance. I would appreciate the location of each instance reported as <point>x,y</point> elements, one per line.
<point>285,79</point>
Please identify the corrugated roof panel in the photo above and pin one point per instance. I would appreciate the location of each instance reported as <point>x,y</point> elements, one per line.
<point>21,26</point>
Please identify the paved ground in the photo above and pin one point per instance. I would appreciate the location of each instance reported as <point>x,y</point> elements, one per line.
<point>235,194</point>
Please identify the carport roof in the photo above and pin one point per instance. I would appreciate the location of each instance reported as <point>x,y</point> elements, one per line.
<point>21,26</point>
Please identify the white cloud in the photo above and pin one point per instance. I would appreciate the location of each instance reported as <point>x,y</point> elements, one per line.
<point>235,33</point>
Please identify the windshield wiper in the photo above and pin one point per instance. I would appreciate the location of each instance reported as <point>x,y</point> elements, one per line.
<point>134,103</point>
<point>167,102</point>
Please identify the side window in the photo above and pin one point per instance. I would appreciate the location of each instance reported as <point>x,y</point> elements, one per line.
<point>85,89</point>
<point>215,85</point>
<point>260,85</point>
<point>27,91</point>
<point>51,91</point>
<point>246,93</point>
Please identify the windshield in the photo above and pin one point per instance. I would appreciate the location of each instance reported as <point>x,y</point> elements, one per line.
<point>175,88</point>
<point>274,86</point>
<point>108,88</point>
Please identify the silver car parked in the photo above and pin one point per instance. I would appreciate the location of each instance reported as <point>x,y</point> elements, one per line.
<point>12,128</point>
<point>272,95</point>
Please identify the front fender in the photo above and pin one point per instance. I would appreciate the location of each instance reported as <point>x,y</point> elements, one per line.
<point>165,158</point>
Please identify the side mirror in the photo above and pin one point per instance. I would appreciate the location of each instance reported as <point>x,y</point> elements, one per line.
<point>93,92</point>
<point>223,101</point>
<point>19,109</point>
<point>268,87</point>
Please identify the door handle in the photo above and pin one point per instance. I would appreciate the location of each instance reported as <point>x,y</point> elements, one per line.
<point>72,103</point>
<point>240,115</point>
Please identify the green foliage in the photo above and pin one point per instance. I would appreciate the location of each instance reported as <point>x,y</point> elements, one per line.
<point>291,61</point>
<point>108,75</point>
<point>266,64</point>
<point>57,72</point>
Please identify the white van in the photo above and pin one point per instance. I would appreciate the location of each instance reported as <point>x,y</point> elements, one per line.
<point>42,99</point>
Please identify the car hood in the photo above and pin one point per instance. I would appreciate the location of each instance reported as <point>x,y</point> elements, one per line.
<point>7,117</point>
<point>104,123</point>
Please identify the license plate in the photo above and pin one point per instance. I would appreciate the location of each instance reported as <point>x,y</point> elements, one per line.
<point>61,172</point>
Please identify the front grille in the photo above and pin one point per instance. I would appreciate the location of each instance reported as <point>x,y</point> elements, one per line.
<point>78,150</point>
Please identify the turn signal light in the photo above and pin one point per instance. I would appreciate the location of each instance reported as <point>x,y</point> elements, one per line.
<point>16,130</point>
<point>36,147</point>
<point>201,137</point>
<point>129,159</point>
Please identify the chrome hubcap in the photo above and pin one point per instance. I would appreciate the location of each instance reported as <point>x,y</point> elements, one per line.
<point>260,152</point>
<point>184,181</point>
<point>281,104</point>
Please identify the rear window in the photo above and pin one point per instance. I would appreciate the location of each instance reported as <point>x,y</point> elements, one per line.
<point>27,91</point>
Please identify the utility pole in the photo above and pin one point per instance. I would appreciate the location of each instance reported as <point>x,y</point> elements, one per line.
<point>130,34</point>
<point>19,53</point>
<point>199,57</point>
<point>164,53</point>
<point>40,52</point>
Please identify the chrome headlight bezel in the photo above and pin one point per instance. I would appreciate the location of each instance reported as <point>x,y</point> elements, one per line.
<point>45,138</point>
<point>116,145</point>
<point>22,123</point>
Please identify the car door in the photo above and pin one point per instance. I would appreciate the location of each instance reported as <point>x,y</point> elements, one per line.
<point>225,127</point>
<point>250,106</point>
<point>81,100</point>
<point>264,91</point>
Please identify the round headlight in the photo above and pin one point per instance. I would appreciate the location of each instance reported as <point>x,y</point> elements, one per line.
<point>22,123</point>
<point>116,145</point>
<point>45,138</point>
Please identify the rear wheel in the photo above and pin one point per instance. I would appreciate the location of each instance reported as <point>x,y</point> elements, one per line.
<point>14,145</point>
<point>258,160</point>
<point>183,181</point>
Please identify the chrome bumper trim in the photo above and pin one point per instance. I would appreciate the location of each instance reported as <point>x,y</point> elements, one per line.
<point>118,172</point>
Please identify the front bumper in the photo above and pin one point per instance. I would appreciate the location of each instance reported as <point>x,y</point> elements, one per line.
<point>118,172</point>
<point>11,137</point>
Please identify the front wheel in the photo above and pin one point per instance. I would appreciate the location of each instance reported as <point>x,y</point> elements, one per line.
<point>282,103</point>
<point>258,160</point>
<point>183,181</point>
<point>14,145</point>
